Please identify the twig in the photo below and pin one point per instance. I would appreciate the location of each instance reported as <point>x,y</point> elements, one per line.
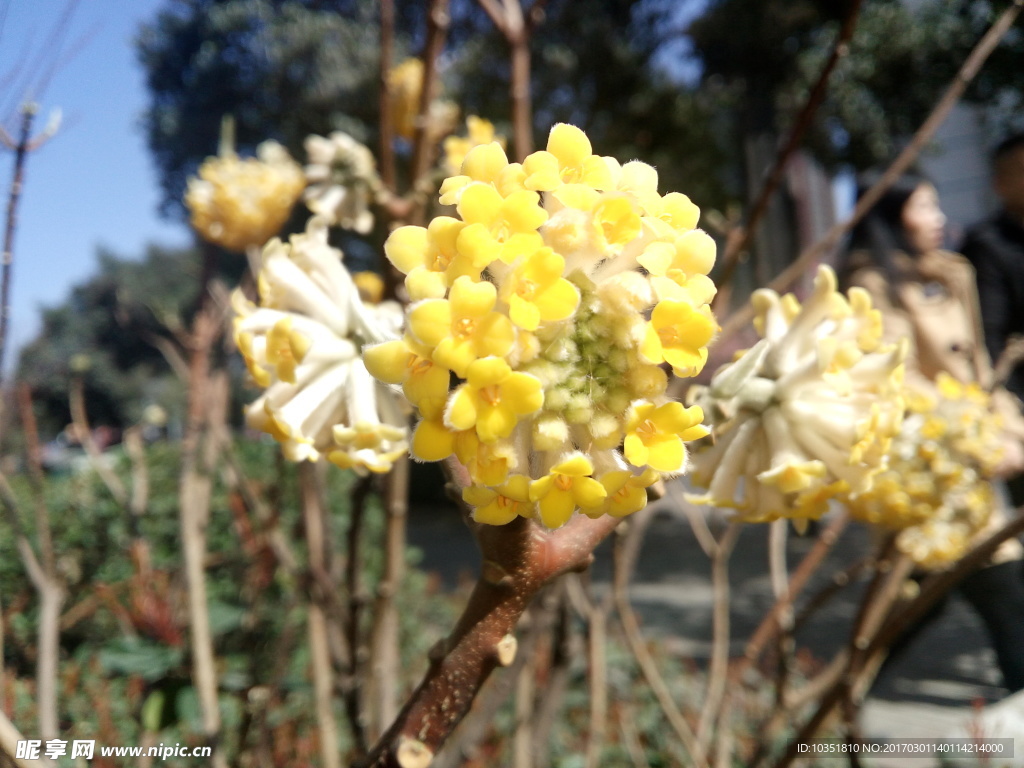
<point>28,112</point>
<point>9,738</point>
<point>547,706</point>
<point>438,21</point>
<point>352,689</point>
<point>45,580</point>
<point>739,240</point>
<point>770,623</point>
<point>518,560</point>
<point>625,557</point>
<point>384,662</point>
<point>320,660</point>
<point>522,733</point>
<point>719,667</point>
<point>207,398</point>
<point>80,420</point>
<point>967,72</point>
<point>388,174</point>
<point>627,724</point>
<point>698,522</point>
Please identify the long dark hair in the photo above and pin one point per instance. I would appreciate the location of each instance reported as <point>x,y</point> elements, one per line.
<point>880,234</point>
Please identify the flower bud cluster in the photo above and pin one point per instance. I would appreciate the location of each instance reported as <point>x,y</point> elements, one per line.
<point>936,488</point>
<point>808,413</point>
<point>240,203</point>
<point>302,343</point>
<point>553,302</point>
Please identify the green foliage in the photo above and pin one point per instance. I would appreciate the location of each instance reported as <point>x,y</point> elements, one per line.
<point>283,68</point>
<point>130,650</point>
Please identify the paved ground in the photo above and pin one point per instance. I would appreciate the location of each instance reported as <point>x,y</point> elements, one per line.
<point>945,683</point>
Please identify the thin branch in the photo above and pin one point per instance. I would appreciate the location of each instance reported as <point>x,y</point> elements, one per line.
<point>13,196</point>
<point>770,623</point>
<point>735,245</point>
<point>388,173</point>
<point>206,411</point>
<point>9,738</point>
<point>438,21</point>
<point>47,583</point>
<point>320,659</point>
<point>352,688</point>
<point>719,667</point>
<point>80,420</point>
<point>625,557</point>
<point>967,72</point>
<point>384,662</point>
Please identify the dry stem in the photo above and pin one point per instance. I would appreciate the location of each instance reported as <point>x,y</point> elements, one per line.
<point>320,658</point>
<point>625,558</point>
<point>384,662</point>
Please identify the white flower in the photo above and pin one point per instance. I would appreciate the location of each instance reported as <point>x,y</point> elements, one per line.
<point>343,180</point>
<point>805,415</point>
<point>303,344</point>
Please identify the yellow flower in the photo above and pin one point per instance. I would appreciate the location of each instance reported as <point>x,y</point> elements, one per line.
<point>655,435</point>
<point>679,334</point>
<point>568,160</point>
<point>499,228</point>
<point>479,131</point>
<point>536,292</point>
<point>238,203</point>
<point>405,82</point>
<point>567,487</point>
<point>626,492</point>
<point>673,213</point>
<point>486,164</point>
<point>408,363</point>
<point>679,268</point>
<point>503,504</point>
<point>493,399</point>
<point>463,327</point>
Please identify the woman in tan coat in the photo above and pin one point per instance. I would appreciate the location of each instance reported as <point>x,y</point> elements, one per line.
<point>928,296</point>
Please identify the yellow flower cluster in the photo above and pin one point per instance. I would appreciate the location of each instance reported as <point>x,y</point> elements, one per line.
<point>808,413</point>
<point>554,299</point>
<point>935,489</point>
<point>478,131</point>
<point>302,344</point>
<point>240,203</point>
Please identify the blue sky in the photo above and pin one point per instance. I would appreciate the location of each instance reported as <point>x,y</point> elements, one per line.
<point>93,183</point>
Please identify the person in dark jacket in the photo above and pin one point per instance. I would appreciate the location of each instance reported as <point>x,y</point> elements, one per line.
<point>996,249</point>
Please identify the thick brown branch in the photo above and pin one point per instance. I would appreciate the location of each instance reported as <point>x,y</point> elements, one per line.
<point>518,559</point>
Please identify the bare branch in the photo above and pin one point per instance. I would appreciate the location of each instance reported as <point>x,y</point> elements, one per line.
<point>735,245</point>
<point>967,72</point>
<point>320,659</point>
<point>625,557</point>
